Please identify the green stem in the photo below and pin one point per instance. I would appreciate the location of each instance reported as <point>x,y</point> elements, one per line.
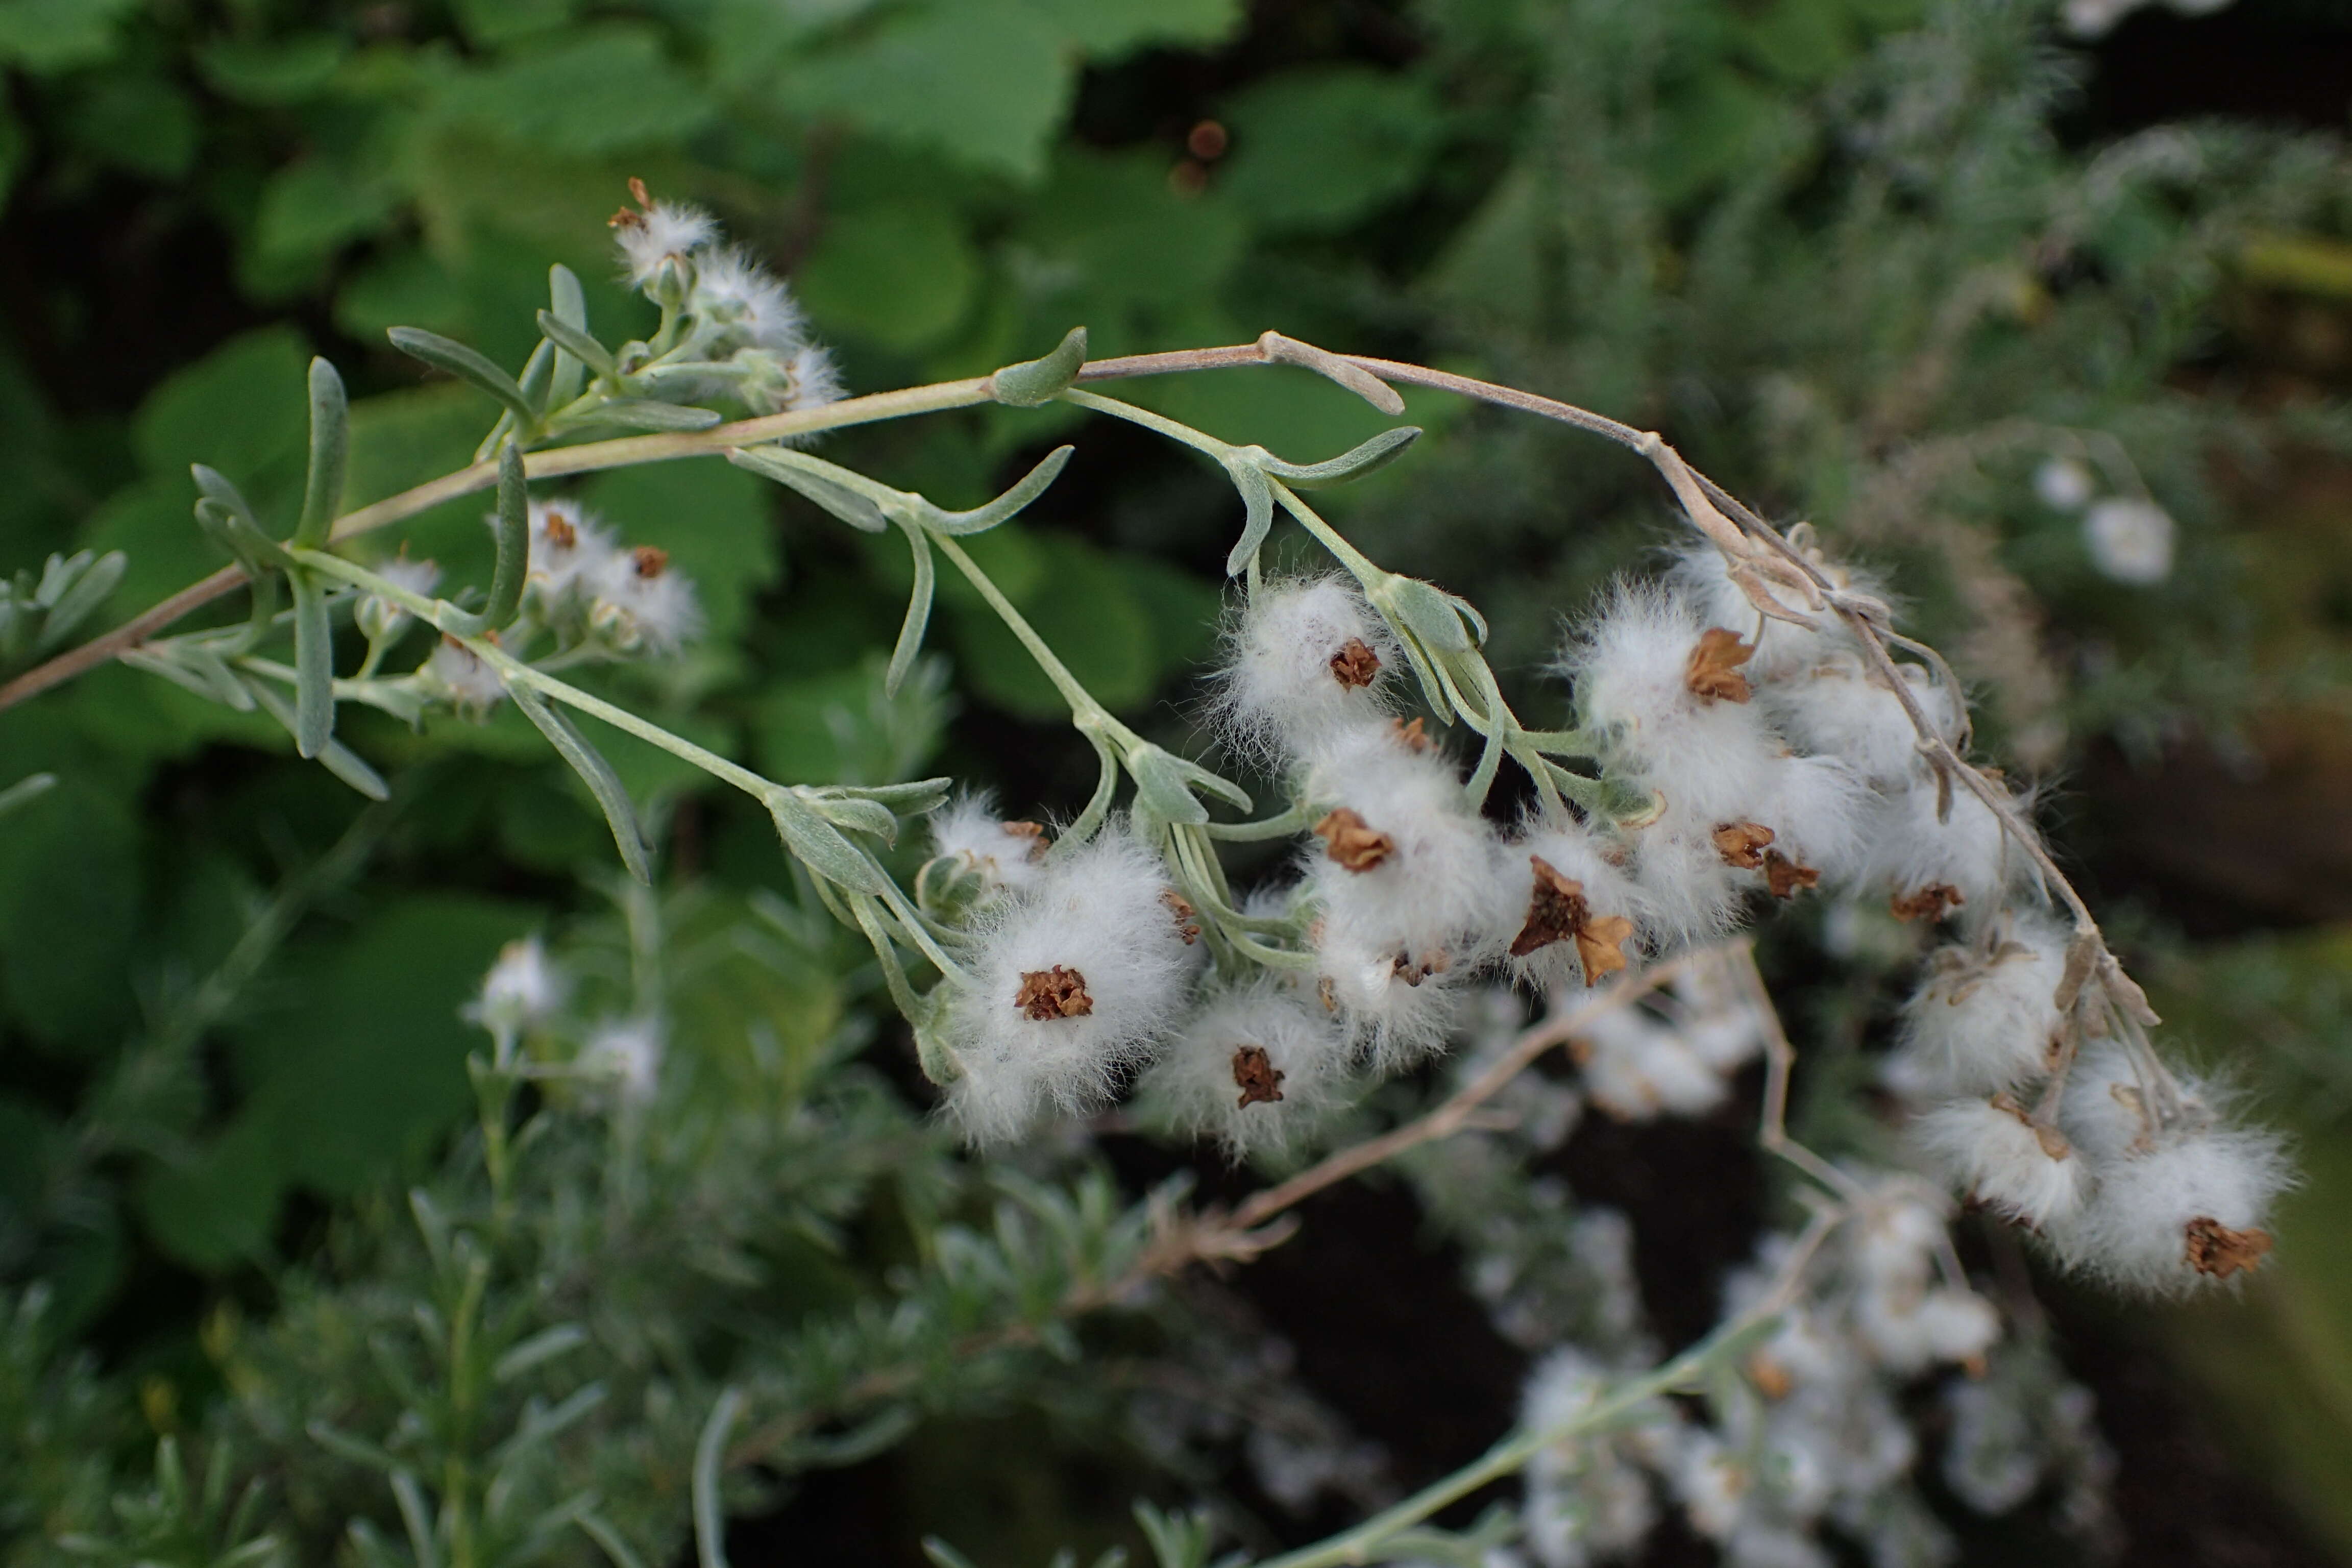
<point>1084,711</point>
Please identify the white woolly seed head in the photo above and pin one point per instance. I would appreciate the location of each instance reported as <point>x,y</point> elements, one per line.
<point>1708,756</point>
<point>649,237</point>
<point>2186,1211</point>
<point>524,990</point>
<point>569,549</point>
<point>1988,1149</point>
<point>1575,852</point>
<point>1910,1331</point>
<point>628,1051</point>
<point>643,602</point>
<point>1253,1067</point>
<point>1910,851</point>
<point>1986,1017</point>
<point>1692,896</point>
<point>816,379</point>
<point>736,294</point>
<point>1396,1009</point>
<point>1428,894</point>
<point>2106,1110</point>
<point>1839,707</point>
<point>1005,857</point>
<point>1293,677</point>
<point>1637,1069</point>
<point>1782,649</point>
<point>470,683</point>
<point>1099,917</point>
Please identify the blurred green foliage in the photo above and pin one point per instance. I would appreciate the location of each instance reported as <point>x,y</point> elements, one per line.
<point>1835,248</point>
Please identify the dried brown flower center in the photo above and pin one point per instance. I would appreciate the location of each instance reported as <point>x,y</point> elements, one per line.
<point>1355,666</point>
<point>651,561</point>
<point>1784,875</point>
<point>2214,1249</point>
<point>1929,902</point>
<point>1255,1076</point>
<point>1055,992</point>
<point>1713,670</point>
<point>1035,834</point>
<point>2053,1142</point>
<point>1558,912</point>
<point>1414,970</point>
<point>1741,844</point>
<point>1412,737</point>
<point>1186,926</point>
<point>562,533</point>
<point>1351,841</point>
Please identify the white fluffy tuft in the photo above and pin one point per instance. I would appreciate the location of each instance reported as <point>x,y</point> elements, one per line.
<point>1989,1152</point>
<point>2137,1230</point>
<point>1194,1088</point>
<point>1096,910</point>
<point>1983,1020</point>
<point>1278,694</point>
<point>969,831</point>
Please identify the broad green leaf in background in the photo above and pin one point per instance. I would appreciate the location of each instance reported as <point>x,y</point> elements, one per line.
<point>594,91</point>
<point>46,35</point>
<point>901,276</point>
<point>145,124</point>
<point>1110,244</point>
<point>1318,151</point>
<point>366,1061</point>
<point>72,869</point>
<point>272,71</point>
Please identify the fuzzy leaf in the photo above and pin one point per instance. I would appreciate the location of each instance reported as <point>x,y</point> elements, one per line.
<point>330,451</point>
<point>1377,453</point>
<point>785,468</point>
<point>1257,510</point>
<point>646,414</point>
<point>1035,381</point>
<point>468,365</point>
<point>603,784</point>
<point>918,612</point>
<point>513,521</point>
<point>819,846</point>
<point>314,666</point>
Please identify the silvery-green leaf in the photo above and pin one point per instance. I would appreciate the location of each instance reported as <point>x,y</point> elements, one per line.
<point>1160,789</point>
<point>579,349</point>
<point>785,468</point>
<point>513,522</point>
<point>331,449</point>
<point>603,784</point>
<point>314,666</point>
<point>1427,612</point>
<point>910,799</point>
<point>342,1445</point>
<point>538,371</point>
<point>571,312</point>
<point>645,414</point>
<point>1257,509</point>
<point>25,790</point>
<point>862,817</point>
<point>538,1350</point>
<point>87,592</point>
<point>1377,453</point>
<point>918,612</point>
<point>818,845</point>
<point>217,488</point>
<point>1039,380</point>
<point>334,756</point>
<point>468,365</point>
<point>982,518</point>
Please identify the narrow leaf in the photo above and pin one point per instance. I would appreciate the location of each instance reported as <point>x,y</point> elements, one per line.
<point>570,313</point>
<point>466,365</point>
<point>859,511</point>
<point>314,666</point>
<point>90,590</point>
<point>645,414</point>
<point>538,1350</point>
<point>1039,380</point>
<point>1377,453</point>
<point>1257,506</point>
<point>609,1539</point>
<point>25,791</point>
<point>336,758</point>
<point>217,488</point>
<point>579,350</point>
<point>1325,364</point>
<point>330,450</point>
<point>514,539</point>
<point>979,519</point>
<point>620,812</point>
<point>709,1457</point>
<point>818,845</point>
<point>342,1445</point>
<point>918,614</point>
<point>538,371</point>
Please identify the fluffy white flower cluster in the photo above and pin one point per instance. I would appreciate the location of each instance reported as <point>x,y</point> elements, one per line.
<point>1773,758</point>
<point>596,595</point>
<point>528,993</point>
<point>2129,537</point>
<point>1815,1437</point>
<point>741,332</point>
